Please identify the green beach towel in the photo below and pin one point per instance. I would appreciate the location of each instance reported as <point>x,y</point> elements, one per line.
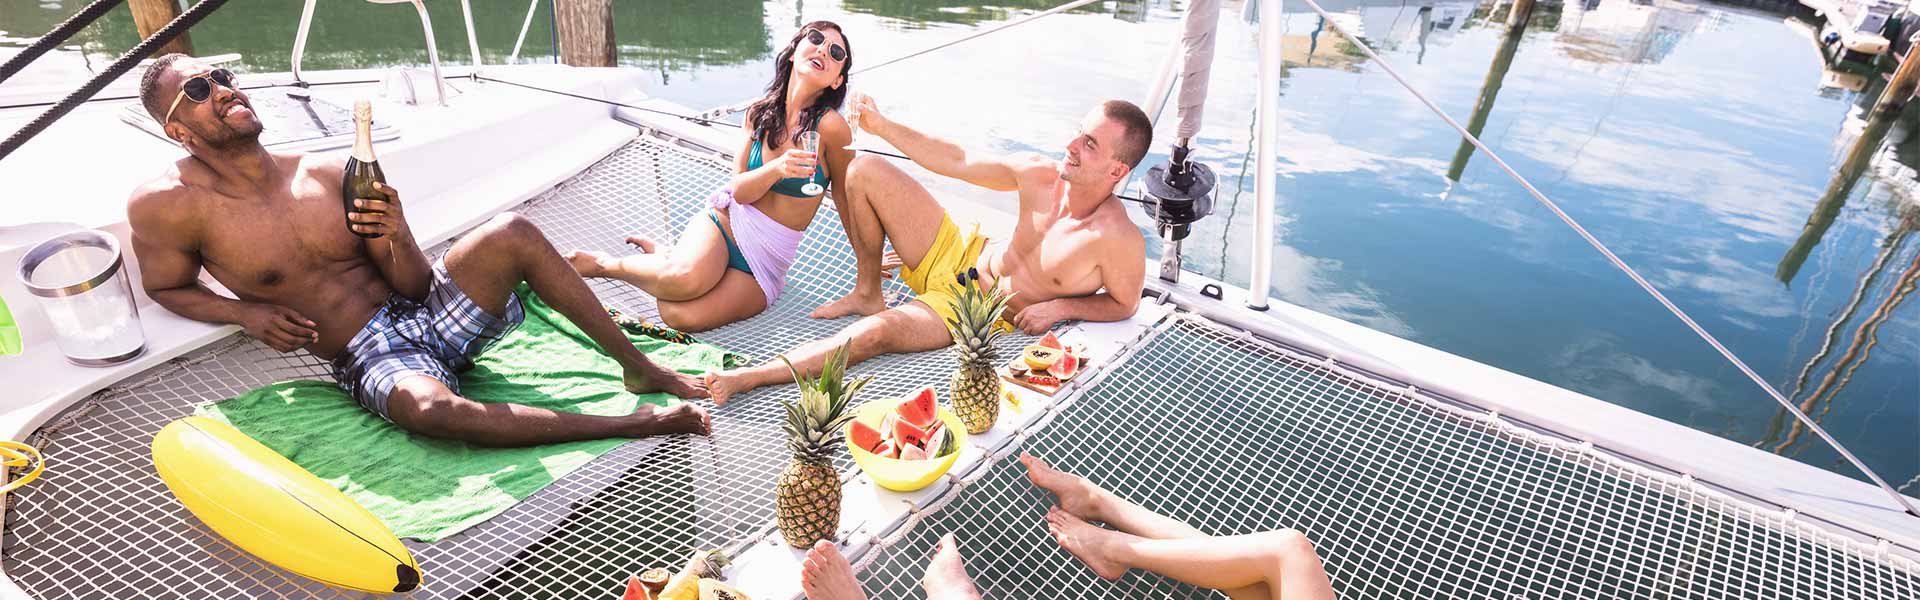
<point>426,488</point>
<point>9,332</point>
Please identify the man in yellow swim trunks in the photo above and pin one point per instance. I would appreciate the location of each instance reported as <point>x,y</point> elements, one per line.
<point>1073,255</point>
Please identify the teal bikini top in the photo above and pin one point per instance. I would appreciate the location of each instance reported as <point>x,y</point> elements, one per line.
<point>791,185</point>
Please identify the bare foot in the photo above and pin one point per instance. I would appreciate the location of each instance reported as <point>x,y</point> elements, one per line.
<point>852,305</point>
<point>661,380</point>
<point>826,575</point>
<point>1079,497</point>
<point>946,577</point>
<point>722,385</point>
<point>668,420</point>
<point>592,264</point>
<point>1092,545</point>
<point>645,245</point>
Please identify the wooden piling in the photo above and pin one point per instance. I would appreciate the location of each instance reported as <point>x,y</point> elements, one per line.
<point>585,28</point>
<point>1900,88</point>
<point>150,15</point>
<point>1522,11</point>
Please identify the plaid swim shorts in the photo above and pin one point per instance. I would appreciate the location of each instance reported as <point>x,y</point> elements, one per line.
<point>437,338</point>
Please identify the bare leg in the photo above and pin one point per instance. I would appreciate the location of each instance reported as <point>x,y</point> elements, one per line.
<point>509,249</point>
<point>1081,498</point>
<point>946,577</point>
<point>826,575</point>
<point>737,297</point>
<point>1283,561</point>
<point>688,271</point>
<point>883,203</point>
<point>423,405</point>
<point>911,327</point>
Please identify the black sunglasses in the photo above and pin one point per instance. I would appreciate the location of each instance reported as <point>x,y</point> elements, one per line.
<point>199,88</point>
<point>816,38</point>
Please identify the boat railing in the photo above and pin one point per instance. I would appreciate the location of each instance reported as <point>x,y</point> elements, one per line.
<point>426,26</point>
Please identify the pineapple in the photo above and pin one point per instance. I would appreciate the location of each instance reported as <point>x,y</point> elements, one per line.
<point>976,386</point>
<point>808,492</point>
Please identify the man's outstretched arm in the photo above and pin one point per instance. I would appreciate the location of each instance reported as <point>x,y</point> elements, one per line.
<point>991,171</point>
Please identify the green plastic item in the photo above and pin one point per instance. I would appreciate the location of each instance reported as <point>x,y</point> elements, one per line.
<point>9,332</point>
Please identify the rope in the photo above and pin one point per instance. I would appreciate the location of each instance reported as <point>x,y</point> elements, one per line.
<point>1617,262</point>
<point>15,454</point>
<point>119,67</point>
<point>57,36</point>
<point>1020,21</point>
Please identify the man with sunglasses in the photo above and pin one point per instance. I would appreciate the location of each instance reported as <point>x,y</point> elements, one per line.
<point>269,227</point>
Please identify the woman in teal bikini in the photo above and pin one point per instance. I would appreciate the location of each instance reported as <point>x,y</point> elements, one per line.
<point>731,262</point>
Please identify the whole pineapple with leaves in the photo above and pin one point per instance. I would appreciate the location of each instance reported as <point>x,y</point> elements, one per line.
<point>808,492</point>
<point>976,386</point>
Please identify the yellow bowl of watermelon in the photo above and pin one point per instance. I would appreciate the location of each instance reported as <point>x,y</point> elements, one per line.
<point>905,444</point>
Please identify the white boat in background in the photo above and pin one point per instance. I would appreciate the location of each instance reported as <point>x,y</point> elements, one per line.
<point>1427,474</point>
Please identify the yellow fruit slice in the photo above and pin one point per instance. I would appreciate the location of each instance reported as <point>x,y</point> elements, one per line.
<point>714,589</point>
<point>1039,358</point>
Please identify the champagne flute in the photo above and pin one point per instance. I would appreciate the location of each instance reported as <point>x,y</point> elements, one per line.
<point>853,115</point>
<point>810,141</point>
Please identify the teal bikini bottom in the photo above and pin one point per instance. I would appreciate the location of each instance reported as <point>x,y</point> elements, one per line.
<point>735,260</point>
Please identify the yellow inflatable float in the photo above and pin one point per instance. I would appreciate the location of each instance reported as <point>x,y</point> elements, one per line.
<point>277,511</point>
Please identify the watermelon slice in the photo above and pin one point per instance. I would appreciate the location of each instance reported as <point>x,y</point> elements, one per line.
<point>913,453</point>
<point>887,449</point>
<point>907,434</point>
<point>865,436</point>
<point>1050,341</point>
<point>919,410</point>
<point>1066,367</point>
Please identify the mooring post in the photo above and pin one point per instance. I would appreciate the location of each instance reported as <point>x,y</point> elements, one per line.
<point>585,28</point>
<point>150,15</point>
<point>1900,88</point>
<point>1522,11</point>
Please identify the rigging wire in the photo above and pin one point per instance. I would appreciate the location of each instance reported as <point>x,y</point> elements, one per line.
<point>1617,262</point>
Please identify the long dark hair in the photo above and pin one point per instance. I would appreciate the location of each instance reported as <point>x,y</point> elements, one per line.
<point>769,113</point>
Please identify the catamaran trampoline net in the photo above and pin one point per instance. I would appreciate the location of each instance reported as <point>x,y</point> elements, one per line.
<point>1403,495</point>
<point>101,524</point>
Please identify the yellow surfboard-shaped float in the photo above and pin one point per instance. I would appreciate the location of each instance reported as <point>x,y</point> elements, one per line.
<point>277,511</point>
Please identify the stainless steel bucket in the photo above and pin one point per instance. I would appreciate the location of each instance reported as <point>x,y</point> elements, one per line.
<point>78,280</point>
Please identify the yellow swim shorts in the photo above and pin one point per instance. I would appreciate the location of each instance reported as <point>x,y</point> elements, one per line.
<point>952,253</point>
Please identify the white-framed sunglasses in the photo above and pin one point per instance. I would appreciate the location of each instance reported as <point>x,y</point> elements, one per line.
<point>199,88</point>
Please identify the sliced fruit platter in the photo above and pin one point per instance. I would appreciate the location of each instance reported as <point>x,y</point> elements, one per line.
<point>905,445</point>
<point>1046,365</point>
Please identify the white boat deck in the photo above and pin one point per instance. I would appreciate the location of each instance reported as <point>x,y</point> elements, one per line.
<point>498,146</point>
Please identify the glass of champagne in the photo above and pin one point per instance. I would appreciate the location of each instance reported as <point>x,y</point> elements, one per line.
<point>810,142</point>
<point>853,115</point>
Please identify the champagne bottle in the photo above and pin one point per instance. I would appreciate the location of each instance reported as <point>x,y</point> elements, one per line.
<point>363,170</point>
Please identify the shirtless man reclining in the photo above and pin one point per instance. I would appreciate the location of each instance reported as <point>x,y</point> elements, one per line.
<point>1074,254</point>
<point>1279,565</point>
<point>269,227</point>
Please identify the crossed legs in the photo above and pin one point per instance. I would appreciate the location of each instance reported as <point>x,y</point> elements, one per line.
<point>487,265</point>
<point>1275,564</point>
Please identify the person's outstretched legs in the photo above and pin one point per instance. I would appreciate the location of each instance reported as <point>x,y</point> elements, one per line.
<point>1283,562</point>
<point>509,249</point>
<point>1090,502</point>
<point>425,406</point>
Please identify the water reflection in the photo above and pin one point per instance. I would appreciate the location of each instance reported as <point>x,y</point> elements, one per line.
<point>675,35</point>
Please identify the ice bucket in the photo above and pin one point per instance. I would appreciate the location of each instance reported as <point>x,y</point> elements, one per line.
<point>78,281</point>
